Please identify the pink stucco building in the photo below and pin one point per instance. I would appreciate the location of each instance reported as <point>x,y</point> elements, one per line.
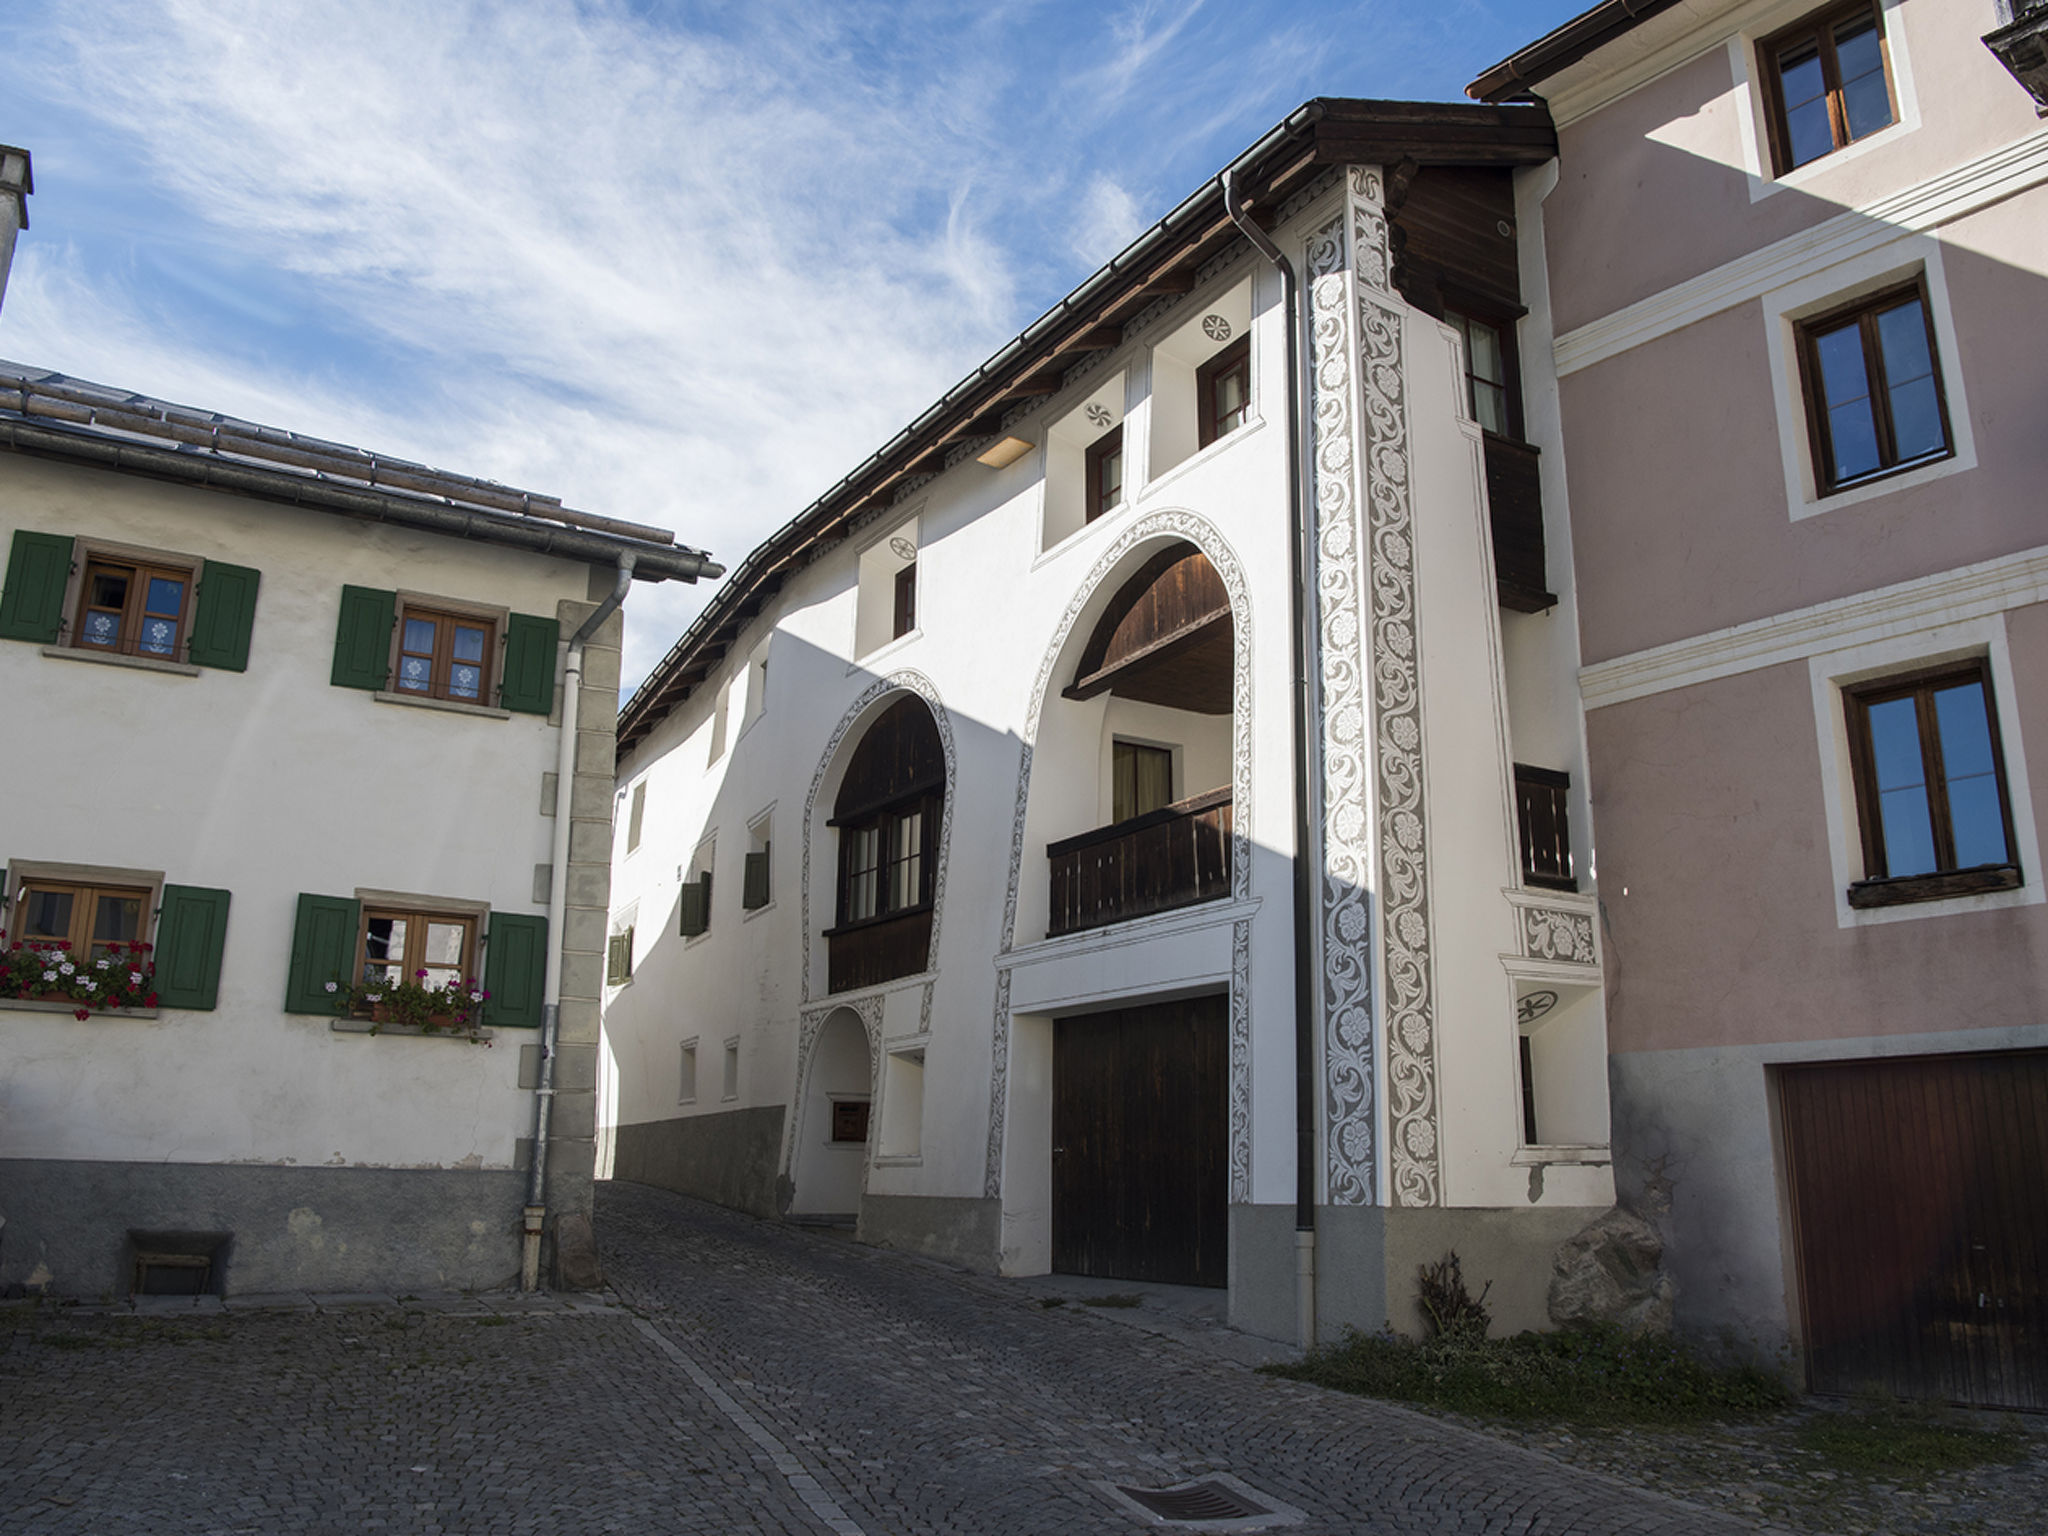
<point>1795,266</point>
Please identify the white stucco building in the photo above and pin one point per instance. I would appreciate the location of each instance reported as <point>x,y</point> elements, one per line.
<point>955,876</point>
<point>293,715</point>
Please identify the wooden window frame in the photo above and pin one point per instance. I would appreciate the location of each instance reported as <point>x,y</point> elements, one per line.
<point>1879,888</point>
<point>847,1116</point>
<point>1099,452</point>
<point>86,895</point>
<point>903,587</point>
<point>884,822</point>
<point>1819,27</point>
<point>140,568</point>
<point>417,916</point>
<point>1820,442</point>
<point>1235,358</point>
<point>1461,315</point>
<point>445,618</point>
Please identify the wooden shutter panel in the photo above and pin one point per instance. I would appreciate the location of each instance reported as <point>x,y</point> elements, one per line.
<point>225,613</point>
<point>619,959</point>
<point>529,682</point>
<point>695,906</point>
<point>323,950</point>
<point>515,970</point>
<point>362,638</point>
<point>754,889</point>
<point>191,934</point>
<point>38,571</point>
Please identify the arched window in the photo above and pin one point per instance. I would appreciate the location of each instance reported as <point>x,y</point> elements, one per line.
<point>887,815</point>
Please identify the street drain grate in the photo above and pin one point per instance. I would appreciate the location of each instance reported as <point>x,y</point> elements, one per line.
<point>1218,1502</point>
<point>1196,1502</point>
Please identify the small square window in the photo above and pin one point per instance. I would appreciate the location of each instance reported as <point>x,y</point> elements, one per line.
<point>1829,83</point>
<point>1931,795</point>
<point>1223,391</point>
<point>444,655</point>
<point>1874,396</point>
<point>131,608</point>
<point>850,1120</point>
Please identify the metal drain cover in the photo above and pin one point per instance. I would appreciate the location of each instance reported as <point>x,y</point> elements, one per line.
<point>1219,1502</point>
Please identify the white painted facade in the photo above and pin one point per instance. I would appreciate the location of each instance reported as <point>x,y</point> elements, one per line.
<point>305,1151</point>
<point>1426,938</point>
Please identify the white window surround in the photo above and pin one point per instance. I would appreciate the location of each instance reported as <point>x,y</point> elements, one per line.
<point>761,821</point>
<point>729,1087</point>
<point>687,1063</point>
<point>1914,256</point>
<point>1752,96</point>
<point>1063,504</point>
<point>1831,671</point>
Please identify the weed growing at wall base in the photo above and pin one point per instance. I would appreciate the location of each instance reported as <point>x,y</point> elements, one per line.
<point>1583,1376</point>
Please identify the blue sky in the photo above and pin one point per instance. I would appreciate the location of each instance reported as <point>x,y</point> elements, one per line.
<point>682,261</point>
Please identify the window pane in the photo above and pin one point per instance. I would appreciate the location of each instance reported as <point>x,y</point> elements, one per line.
<point>419,636</point>
<point>117,920</point>
<point>46,915</point>
<point>166,597</point>
<point>1902,791</point>
<point>159,638</point>
<point>469,643</point>
<point>384,939</point>
<point>1845,387</point>
<point>1232,395</point>
<point>101,629</point>
<point>1975,811</point>
<point>1909,376</point>
<point>1902,337</point>
<point>1808,133</point>
<point>464,681</point>
<point>1865,100</point>
<point>1482,352</point>
<point>1111,485</point>
<point>444,944</point>
<point>1490,406</point>
<point>109,588</point>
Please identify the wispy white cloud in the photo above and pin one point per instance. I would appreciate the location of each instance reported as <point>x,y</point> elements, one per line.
<point>683,263</point>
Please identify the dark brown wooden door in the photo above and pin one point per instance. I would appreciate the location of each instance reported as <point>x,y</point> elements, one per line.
<point>1920,1203</point>
<point>1140,1139</point>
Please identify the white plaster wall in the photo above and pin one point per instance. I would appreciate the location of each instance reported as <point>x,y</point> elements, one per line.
<point>1468,774</point>
<point>267,783</point>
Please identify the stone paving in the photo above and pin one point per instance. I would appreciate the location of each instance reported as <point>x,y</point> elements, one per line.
<point>746,1377</point>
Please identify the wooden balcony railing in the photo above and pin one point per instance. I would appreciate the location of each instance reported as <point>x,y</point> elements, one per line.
<point>1540,811</point>
<point>878,949</point>
<point>1516,498</point>
<point>1172,857</point>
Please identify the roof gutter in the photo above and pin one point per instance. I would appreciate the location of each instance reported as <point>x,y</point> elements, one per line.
<point>1561,49</point>
<point>652,562</point>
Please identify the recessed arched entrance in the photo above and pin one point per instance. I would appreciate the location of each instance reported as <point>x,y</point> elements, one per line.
<point>829,1154</point>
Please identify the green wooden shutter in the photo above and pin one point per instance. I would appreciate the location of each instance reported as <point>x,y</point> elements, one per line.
<point>190,936</point>
<point>362,638</point>
<point>225,614</point>
<point>695,906</point>
<point>323,950</point>
<point>529,682</point>
<point>754,886</point>
<point>515,970</point>
<point>38,571</point>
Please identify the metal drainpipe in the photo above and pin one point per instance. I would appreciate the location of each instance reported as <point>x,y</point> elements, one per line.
<point>536,1212</point>
<point>1304,874</point>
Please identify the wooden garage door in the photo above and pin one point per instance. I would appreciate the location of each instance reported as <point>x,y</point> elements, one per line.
<point>1920,1206</point>
<point>1141,1136</point>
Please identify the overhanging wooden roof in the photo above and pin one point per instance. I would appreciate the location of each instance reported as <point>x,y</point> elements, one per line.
<point>1160,262</point>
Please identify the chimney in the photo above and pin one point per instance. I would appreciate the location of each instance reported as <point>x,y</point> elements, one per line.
<point>17,180</point>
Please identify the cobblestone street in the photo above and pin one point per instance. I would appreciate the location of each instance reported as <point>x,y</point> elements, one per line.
<point>749,1378</point>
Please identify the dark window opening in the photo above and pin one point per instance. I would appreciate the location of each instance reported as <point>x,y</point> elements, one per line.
<point>849,1119</point>
<point>177,1263</point>
<point>1105,473</point>
<point>1223,390</point>
<point>906,602</point>
<point>1141,779</point>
